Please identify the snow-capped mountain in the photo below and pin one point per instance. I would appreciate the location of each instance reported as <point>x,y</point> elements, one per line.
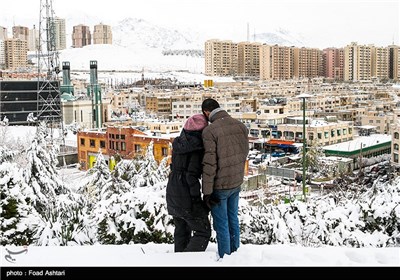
<point>138,32</point>
<point>281,37</point>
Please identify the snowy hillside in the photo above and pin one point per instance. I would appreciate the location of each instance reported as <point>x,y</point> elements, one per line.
<point>132,32</point>
<point>281,37</point>
<point>139,44</point>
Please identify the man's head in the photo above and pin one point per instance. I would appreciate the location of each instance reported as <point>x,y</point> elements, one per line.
<point>208,106</point>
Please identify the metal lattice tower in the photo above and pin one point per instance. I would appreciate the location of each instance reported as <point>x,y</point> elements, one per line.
<point>48,94</point>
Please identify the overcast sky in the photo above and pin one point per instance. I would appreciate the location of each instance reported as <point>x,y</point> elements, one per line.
<point>322,23</point>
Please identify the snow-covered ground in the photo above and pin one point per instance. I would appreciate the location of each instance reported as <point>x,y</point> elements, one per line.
<point>163,255</point>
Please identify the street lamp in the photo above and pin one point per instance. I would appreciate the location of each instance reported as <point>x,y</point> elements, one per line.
<point>304,96</point>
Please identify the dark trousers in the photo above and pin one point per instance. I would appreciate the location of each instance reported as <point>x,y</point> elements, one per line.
<point>191,234</point>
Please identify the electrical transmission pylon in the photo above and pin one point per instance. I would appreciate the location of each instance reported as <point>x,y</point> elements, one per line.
<point>48,94</point>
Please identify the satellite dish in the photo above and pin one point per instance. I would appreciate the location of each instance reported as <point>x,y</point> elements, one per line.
<point>258,112</point>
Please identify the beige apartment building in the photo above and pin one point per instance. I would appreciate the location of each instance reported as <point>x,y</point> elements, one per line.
<point>357,62</point>
<point>276,62</point>
<point>221,58</point>
<point>102,34</point>
<point>16,53</point>
<point>185,105</point>
<point>2,55</point>
<point>124,102</point>
<point>60,33</point>
<point>382,121</point>
<point>20,32</point>
<point>380,62</point>
<point>33,40</point>
<point>249,59</point>
<point>3,33</point>
<point>317,131</point>
<point>160,105</point>
<point>394,62</point>
<point>307,63</point>
<point>81,36</point>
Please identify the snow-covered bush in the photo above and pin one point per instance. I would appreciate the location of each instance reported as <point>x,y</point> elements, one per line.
<point>370,219</point>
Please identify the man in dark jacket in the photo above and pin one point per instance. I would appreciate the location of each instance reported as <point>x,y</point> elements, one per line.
<point>226,145</point>
<point>184,203</point>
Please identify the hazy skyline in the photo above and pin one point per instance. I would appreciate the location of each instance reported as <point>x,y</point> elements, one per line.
<point>321,23</point>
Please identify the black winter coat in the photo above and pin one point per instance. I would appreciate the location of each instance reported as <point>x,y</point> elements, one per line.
<point>186,169</point>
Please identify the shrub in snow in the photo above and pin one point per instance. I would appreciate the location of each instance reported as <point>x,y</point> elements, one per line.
<point>370,218</point>
<point>64,223</point>
<point>136,216</point>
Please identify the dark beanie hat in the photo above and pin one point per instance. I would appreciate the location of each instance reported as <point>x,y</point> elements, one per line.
<point>196,123</point>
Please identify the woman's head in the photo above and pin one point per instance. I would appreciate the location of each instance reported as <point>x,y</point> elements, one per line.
<point>196,122</point>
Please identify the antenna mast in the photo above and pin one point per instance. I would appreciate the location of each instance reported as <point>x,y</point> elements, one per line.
<point>48,85</point>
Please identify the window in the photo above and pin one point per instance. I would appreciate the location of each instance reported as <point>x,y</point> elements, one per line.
<point>396,158</point>
<point>138,148</point>
<point>332,133</point>
<point>102,144</point>
<point>326,134</point>
<point>164,152</point>
<point>123,146</point>
<point>82,141</point>
<point>117,146</point>
<point>319,135</point>
<point>396,147</point>
<point>123,137</point>
<point>92,143</point>
<point>396,135</point>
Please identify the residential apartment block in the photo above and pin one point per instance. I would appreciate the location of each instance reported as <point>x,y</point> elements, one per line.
<point>333,63</point>
<point>16,53</point>
<point>249,59</point>
<point>81,36</point>
<point>307,63</point>
<point>20,32</point>
<point>380,63</point>
<point>60,33</point>
<point>2,55</point>
<point>221,58</point>
<point>3,33</point>
<point>394,62</point>
<point>276,62</point>
<point>273,62</point>
<point>357,62</point>
<point>33,39</point>
<point>102,34</point>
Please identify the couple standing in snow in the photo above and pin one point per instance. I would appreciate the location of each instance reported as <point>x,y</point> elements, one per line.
<point>216,154</point>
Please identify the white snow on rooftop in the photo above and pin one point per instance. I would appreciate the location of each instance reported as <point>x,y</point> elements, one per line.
<point>360,142</point>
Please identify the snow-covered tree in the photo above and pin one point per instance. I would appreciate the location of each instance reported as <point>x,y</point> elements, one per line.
<point>148,172</point>
<point>127,171</point>
<point>313,155</point>
<point>41,173</point>
<point>98,181</point>
<point>16,212</point>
